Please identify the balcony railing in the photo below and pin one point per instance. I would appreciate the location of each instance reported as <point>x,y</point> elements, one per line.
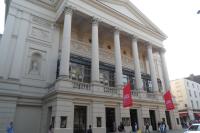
<point>110,90</point>
<point>134,93</point>
<point>81,85</point>
<point>101,90</point>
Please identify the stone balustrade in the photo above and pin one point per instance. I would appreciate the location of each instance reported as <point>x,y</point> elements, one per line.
<point>110,90</point>
<point>81,85</point>
<point>74,86</point>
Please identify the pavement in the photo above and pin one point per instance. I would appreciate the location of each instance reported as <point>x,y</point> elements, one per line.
<point>173,131</point>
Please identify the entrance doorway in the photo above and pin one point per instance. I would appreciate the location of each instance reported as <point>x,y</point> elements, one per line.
<point>110,120</point>
<point>134,118</point>
<point>153,119</point>
<point>80,119</point>
<point>168,119</point>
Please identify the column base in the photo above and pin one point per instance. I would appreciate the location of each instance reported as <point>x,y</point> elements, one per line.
<point>63,130</point>
<point>63,77</point>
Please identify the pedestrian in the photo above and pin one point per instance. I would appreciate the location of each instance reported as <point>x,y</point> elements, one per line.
<point>147,127</point>
<point>50,129</point>
<point>90,129</point>
<point>161,127</point>
<point>10,128</point>
<point>164,127</point>
<point>121,127</point>
<point>135,126</point>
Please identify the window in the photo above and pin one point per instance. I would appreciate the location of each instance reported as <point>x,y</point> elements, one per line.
<point>147,85</point>
<point>188,84</point>
<point>106,78</point>
<point>190,92</point>
<point>177,120</point>
<point>125,79</point>
<point>160,86</point>
<point>99,122</point>
<point>79,72</point>
<point>197,104</point>
<point>192,104</point>
<point>63,122</point>
<point>185,105</point>
<point>52,121</point>
<point>130,78</point>
<point>195,94</point>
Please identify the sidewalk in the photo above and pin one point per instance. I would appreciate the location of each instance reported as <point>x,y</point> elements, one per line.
<point>172,131</point>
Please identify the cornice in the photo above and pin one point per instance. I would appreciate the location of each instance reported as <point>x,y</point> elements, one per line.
<point>49,4</point>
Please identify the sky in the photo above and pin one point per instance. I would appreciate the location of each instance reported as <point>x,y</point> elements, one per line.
<point>180,21</point>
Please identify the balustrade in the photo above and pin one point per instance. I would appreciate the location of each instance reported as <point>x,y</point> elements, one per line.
<point>81,85</point>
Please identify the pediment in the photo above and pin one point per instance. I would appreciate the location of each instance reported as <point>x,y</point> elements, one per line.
<point>126,8</point>
<point>47,3</point>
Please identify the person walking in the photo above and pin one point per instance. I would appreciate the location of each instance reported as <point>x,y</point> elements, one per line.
<point>147,127</point>
<point>121,127</point>
<point>10,128</point>
<point>90,129</point>
<point>50,129</point>
<point>135,127</point>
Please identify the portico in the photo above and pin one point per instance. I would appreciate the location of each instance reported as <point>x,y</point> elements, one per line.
<point>99,42</point>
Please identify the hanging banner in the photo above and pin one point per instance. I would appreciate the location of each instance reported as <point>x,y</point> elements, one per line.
<point>127,97</point>
<point>168,101</point>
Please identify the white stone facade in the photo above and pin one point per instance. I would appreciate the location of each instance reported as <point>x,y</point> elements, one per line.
<point>40,84</point>
<point>187,94</point>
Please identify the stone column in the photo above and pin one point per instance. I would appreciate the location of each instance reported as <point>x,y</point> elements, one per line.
<point>66,42</point>
<point>138,79</point>
<point>118,61</point>
<point>165,72</point>
<point>95,51</point>
<point>152,68</point>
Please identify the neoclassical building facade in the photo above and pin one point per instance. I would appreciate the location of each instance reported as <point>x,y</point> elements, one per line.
<point>64,63</point>
<point>187,94</point>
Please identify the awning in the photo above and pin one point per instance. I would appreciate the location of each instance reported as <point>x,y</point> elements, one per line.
<point>197,114</point>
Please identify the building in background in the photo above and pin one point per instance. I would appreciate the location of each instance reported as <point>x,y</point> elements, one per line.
<point>195,78</point>
<point>187,94</point>
<point>64,62</point>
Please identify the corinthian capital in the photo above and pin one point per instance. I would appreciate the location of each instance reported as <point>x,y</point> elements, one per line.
<point>68,10</point>
<point>95,20</point>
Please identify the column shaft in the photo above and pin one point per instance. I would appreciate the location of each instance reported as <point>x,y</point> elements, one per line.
<point>138,79</point>
<point>152,68</point>
<point>118,62</point>
<point>165,72</point>
<point>95,51</point>
<point>65,55</point>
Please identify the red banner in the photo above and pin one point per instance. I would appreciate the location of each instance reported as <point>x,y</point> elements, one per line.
<point>168,101</point>
<point>127,97</point>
